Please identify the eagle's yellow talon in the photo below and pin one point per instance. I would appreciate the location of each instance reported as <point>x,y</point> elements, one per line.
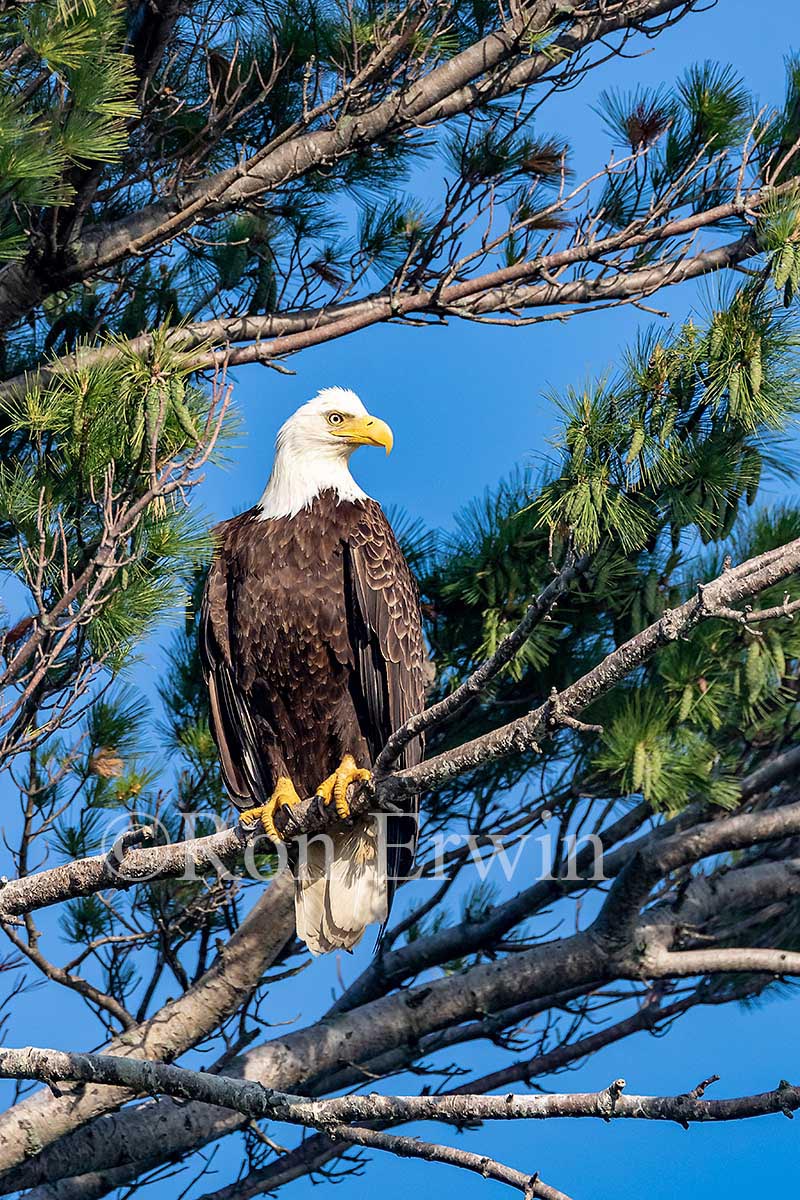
<point>325,789</point>
<point>334,788</point>
<point>285,793</point>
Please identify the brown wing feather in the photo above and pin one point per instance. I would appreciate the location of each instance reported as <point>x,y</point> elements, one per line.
<point>391,660</point>
<point>231,720</point>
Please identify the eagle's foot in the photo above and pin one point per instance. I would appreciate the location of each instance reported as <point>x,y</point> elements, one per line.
<point>285,793</point>
<point>334,788</point>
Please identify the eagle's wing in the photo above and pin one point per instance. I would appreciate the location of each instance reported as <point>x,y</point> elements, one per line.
<point>391,662</point>
<point>243,768</point>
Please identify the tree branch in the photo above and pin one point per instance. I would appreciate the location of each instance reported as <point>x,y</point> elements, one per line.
<point>410,1147</point>
<point>276,336</point>
<point>255,1101</point>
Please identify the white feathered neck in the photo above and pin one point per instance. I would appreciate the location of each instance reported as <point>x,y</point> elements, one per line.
<point>308,461</point>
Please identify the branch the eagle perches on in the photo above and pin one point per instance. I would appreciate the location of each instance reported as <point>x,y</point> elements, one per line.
<point>131,862</point>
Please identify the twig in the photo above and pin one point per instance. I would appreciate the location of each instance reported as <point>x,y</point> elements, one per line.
<point>410,1147</point>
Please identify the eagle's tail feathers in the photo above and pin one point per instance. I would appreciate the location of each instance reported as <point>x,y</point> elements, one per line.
<point>341,888</point>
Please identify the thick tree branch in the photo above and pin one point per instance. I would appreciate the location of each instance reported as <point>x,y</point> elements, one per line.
<point>313,1152</point>
<point>125,866</point>
<point>662,963</point>
<point>385,1024</point>
<point>657,858</point>
<point>395,1021</point>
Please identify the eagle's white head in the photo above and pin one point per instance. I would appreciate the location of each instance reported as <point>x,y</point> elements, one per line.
<point>313,448</point>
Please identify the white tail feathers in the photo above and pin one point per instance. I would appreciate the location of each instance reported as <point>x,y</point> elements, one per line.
<point>341,887</point>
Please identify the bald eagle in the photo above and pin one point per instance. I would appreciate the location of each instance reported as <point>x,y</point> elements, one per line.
<point>312,649</point>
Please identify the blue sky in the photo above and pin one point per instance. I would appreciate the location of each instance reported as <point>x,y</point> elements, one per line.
<point>466,404</point>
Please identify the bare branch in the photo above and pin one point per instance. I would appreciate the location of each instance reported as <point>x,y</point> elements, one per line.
<point>410,1147</point>
<point>254,1100</point>
<point>179,1025</point>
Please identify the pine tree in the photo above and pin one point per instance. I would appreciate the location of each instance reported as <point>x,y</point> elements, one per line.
<point>191,188</point>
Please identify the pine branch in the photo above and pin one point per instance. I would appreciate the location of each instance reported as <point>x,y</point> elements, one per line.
<point>276,336</point>
<point>473,76</point>
<point>524,734</point>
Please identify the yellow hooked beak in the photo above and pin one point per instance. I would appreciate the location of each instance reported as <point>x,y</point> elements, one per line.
<point>366,431</point>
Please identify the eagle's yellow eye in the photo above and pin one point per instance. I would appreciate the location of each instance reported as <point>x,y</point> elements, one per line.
<point>335,418</point>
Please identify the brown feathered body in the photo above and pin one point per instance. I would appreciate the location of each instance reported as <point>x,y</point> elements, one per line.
<point>312,647</point>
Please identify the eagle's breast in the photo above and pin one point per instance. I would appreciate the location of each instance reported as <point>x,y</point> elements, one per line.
<point>286,581</point>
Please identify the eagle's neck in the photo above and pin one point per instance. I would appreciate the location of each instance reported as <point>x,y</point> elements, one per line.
<point>299,475</point>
